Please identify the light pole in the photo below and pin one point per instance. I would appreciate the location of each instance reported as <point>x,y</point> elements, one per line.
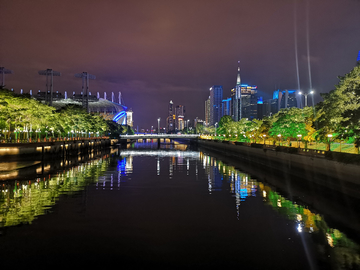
<point>264,138</point>
<point>299,138</point>
<point>187,125</point>
<point>305,95</point>
<point>329,139</point>
<point>279,139</point>
<point>215,128</point>
<point>159,125</point>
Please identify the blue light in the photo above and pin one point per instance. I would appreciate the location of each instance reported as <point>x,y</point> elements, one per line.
<point>358,59</point>
<point>119,115</point>
<point>260,100</point>
<point>276,94</point>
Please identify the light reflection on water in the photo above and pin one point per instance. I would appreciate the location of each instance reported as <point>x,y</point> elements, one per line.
<point>22,201</point>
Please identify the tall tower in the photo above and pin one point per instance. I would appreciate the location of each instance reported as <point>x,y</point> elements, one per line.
<point>170,120</point>
<point>237,98</point>
<point>216,94</point>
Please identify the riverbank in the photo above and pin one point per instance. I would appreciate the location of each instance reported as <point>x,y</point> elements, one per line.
<point>299,185</point>
<point>316,169</point>
<point>50,148</point>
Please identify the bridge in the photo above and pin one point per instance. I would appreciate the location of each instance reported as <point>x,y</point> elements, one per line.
<point>124,139</point>
<point>159,136</point>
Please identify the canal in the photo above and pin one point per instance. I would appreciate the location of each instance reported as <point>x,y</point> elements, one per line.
<point>169,208</point>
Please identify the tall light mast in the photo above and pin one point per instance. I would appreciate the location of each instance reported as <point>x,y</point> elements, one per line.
<point>49,72</point>
<point>4,71</point>
<point>85,87</point>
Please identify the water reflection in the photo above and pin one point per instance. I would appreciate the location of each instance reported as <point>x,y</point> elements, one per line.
<point>22,201</point>
<point>344,253</point>
<point>332,243</point>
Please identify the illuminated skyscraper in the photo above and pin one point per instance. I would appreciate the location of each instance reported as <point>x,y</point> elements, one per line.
<point>236,97</point>
<point>179,116</point>
<point>207,112</point>
<point>216,94</point>
<point>170,120</point>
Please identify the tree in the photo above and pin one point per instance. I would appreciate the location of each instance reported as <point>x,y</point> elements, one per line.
<point>290,123</point>
<point>339,112</point>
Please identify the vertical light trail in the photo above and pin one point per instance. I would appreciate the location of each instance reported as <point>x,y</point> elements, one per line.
<point>296,47</point>
<point>307,44</point>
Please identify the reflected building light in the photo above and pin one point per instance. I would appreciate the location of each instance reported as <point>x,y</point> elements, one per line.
<point>330,240</point>
<point>158,167</point>
<point>209,184</point>
<point>119,176</point>
<point>299,228</point>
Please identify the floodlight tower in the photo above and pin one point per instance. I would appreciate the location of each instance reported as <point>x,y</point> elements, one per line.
<point>4,71</point>
<point>49,72</point>
<point>85,86</point>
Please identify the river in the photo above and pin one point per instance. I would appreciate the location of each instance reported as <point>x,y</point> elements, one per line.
<point>169,208</point>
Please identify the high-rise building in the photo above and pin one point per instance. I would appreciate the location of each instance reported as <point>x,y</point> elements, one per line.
<point>170,120</point>
<point>226,107</point>
<point>247,104</point>
<point>288,99</point>
<point>179,117</point>
<point>207,112</point>
<point>236,98</point>
<point>216,93</point>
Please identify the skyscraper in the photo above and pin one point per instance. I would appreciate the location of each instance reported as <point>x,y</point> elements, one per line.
<point>179,116</point>
<point>207,112</point>
<point>170,120</point>
<point>216,94</point>
<point>236,97</point>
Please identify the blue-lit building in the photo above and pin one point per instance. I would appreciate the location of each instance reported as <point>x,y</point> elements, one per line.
<point>288,99</point>
<point>216,96</point>
<point>226,107</point>
<point>247,103</point>
<point>109,110</point>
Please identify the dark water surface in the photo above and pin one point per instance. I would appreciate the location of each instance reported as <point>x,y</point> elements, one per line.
<point>170,209</point>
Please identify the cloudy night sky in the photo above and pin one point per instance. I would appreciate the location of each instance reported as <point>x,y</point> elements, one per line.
<point>156,51</point>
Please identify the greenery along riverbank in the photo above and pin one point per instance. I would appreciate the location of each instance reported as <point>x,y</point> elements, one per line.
<point>335,119</point>
<point>25,118</point>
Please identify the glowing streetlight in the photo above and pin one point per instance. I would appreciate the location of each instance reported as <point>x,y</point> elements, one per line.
<point>279,139</point>
<point>329,139</point>
<point>299,138</point>
<point>305,95</point>
<point>215,128</point>
<point>158,125</point>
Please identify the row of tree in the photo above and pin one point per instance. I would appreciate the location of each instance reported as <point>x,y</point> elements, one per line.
<point>23,117</point>
<point>337,118</point>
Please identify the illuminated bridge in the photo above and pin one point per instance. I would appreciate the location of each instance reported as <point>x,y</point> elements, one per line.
<point>159,136</point>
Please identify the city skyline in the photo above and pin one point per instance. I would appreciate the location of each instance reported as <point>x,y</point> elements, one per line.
<point>168,53</point>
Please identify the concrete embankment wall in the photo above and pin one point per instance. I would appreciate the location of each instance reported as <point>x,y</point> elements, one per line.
<point>318,170</point>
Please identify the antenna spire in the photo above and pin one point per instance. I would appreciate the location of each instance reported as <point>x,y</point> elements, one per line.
<point>238,79</point>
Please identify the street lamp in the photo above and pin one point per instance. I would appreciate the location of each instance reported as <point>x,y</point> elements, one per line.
<point>329,138</point>
<point>299,138</point>
<point>305,95</point>
<point>215,128</point>
<point>158,125</point>
<point>264,138</point>
<point>279,139</point>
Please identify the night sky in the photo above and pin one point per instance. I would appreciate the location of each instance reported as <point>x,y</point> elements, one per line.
<point>156,51</point>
